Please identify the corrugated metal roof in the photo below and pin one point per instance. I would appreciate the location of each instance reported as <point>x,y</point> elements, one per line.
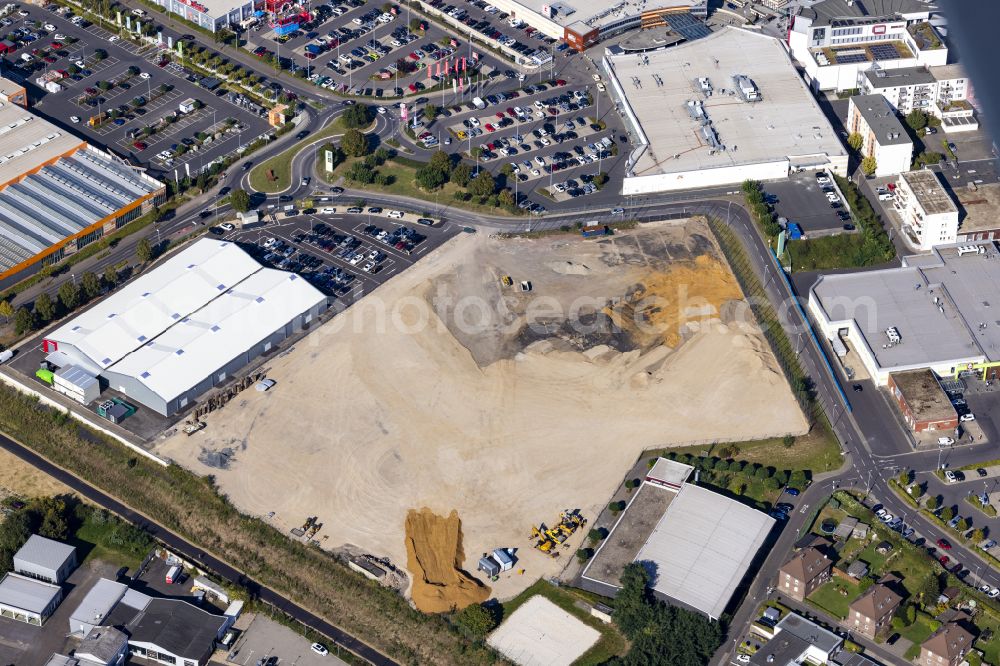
<point>97,604</point>
<point>26,594</point>
<point>44,552</point>
<point>702,548</point>
<point>76,376</point>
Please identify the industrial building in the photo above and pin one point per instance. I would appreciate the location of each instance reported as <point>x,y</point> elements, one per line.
<point>884,137</point>
<point>944,92</point>
<point>922,402</point>
<point>702,544</point>
<point>928,214</point>
<point>167,631</point>
<point>58,193</point>
<point>28,600</point>
<point>933,312</point>
<point>186,326</point>
<point>212,15</point>
<point>106,647</point>
<point>46,560</point>
<point>703,114</point>
<point>837,41</point>
<point>979,211</point>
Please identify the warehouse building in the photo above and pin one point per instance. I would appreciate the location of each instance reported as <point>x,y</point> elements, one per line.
<point>884,138</point>
<point>190,324</point>
<point>702,114</point>
<point>837,41</point>
<point>701,544</point>
<point>928,214</point>
<point>28,600</point>
<point>58,193</point>
<point>922,402</point>
<point>212,15</point>
<point>933,312</point>
<point>45,560</point>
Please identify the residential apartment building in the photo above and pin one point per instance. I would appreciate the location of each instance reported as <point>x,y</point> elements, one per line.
<point>803,573</point>
<point>871,613</point>
<point>883,135</point>
<point>947,646</point>
<point>943,92</point>
<point>797,641</point>
<point>928,214</point>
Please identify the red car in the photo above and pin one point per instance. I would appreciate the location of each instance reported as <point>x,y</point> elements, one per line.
<point>490,128</point>
<point>944,544</point>
<point>560,82</point>
<point>139,145</point>
<point>57,45</point>
<point>412,88</point>
<point>499,115</point>
<point>944,559</point>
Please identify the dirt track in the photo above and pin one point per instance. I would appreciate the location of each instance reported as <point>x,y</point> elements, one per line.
<point>444,389</point>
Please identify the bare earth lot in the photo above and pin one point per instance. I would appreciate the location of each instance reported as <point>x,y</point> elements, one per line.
<point>446,390</point>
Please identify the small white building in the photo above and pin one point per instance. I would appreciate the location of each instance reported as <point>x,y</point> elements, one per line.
<point>27,599</point>
<point>929,215</point>
<point>45,559</point>
<point>884,137</point>
<point>77,384</point>
<point>188,105</point>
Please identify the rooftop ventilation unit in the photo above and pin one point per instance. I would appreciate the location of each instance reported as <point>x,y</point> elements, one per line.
<point>971,249</point>
<point>705,85</point>
<point>748,89</point>
<point>893,334</point>
<point>695,110</point>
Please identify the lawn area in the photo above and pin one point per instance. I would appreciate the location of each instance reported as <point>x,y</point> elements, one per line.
<point>825,252</point>
<point>816,451</point>
<point>918,632</point>
<point>610,644</point>
<point>111,541</point>
<point>991,648</point>
<point>281,164</point>
<point>831,597</point>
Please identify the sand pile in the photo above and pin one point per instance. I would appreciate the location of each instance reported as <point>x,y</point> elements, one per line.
<point>434,556</point>
<point>668,305</point>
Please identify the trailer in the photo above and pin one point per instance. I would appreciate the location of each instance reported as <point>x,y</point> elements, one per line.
<point>593,229</point>
<point>794,231</point>
<point>173,575</point>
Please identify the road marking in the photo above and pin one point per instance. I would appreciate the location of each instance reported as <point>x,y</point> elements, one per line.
<point>803,509</point>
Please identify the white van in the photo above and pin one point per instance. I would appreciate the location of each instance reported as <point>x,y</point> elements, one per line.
<point>395,214</point>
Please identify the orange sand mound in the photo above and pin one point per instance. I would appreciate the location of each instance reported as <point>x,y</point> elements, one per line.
<point>434,556</point>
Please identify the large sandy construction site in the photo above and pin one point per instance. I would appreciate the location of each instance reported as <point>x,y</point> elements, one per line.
<point>446,390</point>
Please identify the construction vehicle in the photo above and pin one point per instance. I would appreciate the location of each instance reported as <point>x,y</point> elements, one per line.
<point>572,517</point>
<point>506,280</point>
<point>316,527</point>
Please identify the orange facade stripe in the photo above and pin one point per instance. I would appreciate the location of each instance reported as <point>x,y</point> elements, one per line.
<point>44,164</point>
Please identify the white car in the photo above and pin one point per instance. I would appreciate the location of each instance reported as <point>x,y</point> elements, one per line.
<point>328,210</point>
<point>49,27</point>
<point>743,658</point>
<point>618,211</point>
<point>945,441</point>
<point>81,64</point>
<point>597,77</point>
<point>394,214</point>
<point>888,518</point>
<point>270,242</point>
<point>369,267</point>
<point>113,38</point>
<point>356,259</point>
<point>948,474</point>
<point>143,75</point>
<point>74,119</point>
<point>536,172</point>
<point>967,417</point>
<point>59,37</point>
<point>994,593</point>
<point>264,385</point>
<point>227,226</point>
<point>381,110</point>
<point>881,512</point>
<point>319,649</point>
<point>600,86</point>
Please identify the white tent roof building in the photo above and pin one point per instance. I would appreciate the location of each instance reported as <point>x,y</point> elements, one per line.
<point>189,324</point>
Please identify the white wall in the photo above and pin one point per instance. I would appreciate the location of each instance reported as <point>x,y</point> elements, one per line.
<point>893,159</point>
<point>685,180</point>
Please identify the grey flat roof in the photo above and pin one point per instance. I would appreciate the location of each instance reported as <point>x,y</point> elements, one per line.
<point>948,72</point>
<point>929,192</point>
<point>812,633</point>
<point>881,119</point>
<point>177,627</point>
<point>45,552</point>
<point>830,11</point>
<point>27,594</point>
<point>980,208</point>
<point>968,288</point>
<point>780,651</point>
<point>896,78</point>
<point>702,548</point>
<point>95,607</point>
<point>924,396</point>
<point>786,123</point>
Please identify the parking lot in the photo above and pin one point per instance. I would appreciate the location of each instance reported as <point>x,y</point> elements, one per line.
<point>353,46</point>
<point>344,251</point>
<point>265,639</point>
<point>802,199</point>
<point>124,97</point>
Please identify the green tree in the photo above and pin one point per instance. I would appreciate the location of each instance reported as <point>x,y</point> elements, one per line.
<point>110,277</point>
<point>865,583</point>
<point>905,477</point>
<point>69,295</point>
<point>477,620</point>
<point>6,310</point>
<point>461,174</point>
<point>239,200</point>
<point>929,589</point>
<point>855,141</point>
<point>482,185</point>
<point>595,534</point>
<point>584,554</point>
<point>910,614</point>
<point>414,25</point>
<point>962,525</point>
<point>947,513</point>
<point>932,503</point>
<point>354,143</point>
<point>24,320</point>
<point>431,111</point>
<point>14,531</point>
<point>144,251</point>
<point>91,285</point>
<point>54,524</point>
<point>736,467</point>
<point>978,535</point>
<point>45,308</point>
<point>357,115</point>
<point>616,507</point>
<point>916,119</point>
<point>868,165</point>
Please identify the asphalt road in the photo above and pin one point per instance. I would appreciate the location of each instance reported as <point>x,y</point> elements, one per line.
<point>193,553</point>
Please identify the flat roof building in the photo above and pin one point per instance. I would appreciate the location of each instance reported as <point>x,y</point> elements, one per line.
<point>27,599</point>
<point>797,640</point>
<point>57,193</point>
<point>978,211</point>
<point>212,15</point>
<point>922,402</point>
<point>45,559</point>
<point>883,137</point>
<point>934,311</point>
<point>95,607</point>
<point>703,114</point>
<point>188,325</point>
<point>929,216</point>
